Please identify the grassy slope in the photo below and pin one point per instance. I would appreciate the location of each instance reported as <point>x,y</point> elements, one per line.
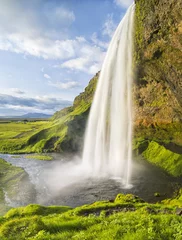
<point>14,135</point>
<point>64,130</point>
<point>126,218</point>
<point>164,158</point>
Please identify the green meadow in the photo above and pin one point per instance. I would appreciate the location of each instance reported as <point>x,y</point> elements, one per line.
<point>14,135</point>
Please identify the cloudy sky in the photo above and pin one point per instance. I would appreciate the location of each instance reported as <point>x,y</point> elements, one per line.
<point>50,49</point>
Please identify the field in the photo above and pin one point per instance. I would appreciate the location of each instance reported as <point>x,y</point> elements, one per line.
<point>14,135</point>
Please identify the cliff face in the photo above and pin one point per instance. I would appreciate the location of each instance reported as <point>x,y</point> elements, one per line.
<point>158,85</point>
<point>158,42</point>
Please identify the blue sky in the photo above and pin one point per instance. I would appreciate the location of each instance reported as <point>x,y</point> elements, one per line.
<point>50,49</point>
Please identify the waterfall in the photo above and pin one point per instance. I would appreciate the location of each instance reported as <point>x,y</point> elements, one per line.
<point>108,137</point>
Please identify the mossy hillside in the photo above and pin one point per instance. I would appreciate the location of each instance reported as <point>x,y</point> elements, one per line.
<point>68,125</point>
<point>167,133</point>
<point>124,218</point>
<point>175,201</point>
<point>160,156</point>
<point>12,180</point>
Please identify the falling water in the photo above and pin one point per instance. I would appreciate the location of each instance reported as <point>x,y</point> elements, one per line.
<point>108,138</point>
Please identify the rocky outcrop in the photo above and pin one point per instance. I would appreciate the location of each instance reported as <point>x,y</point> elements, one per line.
<point>15,187</point>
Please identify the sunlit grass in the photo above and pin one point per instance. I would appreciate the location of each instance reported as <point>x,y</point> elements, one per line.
<point>128,218</point>
<point>39,157</point>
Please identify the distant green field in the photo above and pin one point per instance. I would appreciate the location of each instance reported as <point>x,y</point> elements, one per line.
<point>8,120</point>
<point>14,135</point>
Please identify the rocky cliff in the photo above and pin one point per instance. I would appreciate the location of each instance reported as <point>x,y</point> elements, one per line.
<point>158,57</point>
<point>158,83</point>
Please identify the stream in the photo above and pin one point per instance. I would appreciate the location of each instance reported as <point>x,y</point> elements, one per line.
<point>61,182</point>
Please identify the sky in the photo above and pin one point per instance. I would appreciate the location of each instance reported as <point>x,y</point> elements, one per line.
<point>50,49</point>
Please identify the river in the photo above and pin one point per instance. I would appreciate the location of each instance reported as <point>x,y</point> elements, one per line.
<point>61,182</point>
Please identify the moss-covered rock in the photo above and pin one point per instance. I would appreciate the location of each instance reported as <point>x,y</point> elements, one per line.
<point>14,186</point>
<point>164,158</point>
<point>128,198</point>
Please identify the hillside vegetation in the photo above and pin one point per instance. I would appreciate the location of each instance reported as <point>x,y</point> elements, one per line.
<point>127,217</point>
<point>158,85</point>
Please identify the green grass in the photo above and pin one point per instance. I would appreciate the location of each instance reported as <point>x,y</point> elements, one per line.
<point>164,158</point>
<point>14,135</point>
<point>39,157</point>
<point>128,218</point>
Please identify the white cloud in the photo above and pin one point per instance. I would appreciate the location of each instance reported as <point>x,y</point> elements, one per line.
<point>11,91</point>
<point>89,60</point>
<point>28,30</point>
<point>62,14</point>
<point>42,30</point>
<point>109,26</point>
<point>17,91</point>
<point>123,3</point>
<point>47,76</point>
<point>76,64</point>
<point>40,47</point>
<point>66,85</point>
<point>98,42</point>
<point>45,104</point>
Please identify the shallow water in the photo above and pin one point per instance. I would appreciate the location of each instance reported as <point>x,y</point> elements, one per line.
<point>61,182</point>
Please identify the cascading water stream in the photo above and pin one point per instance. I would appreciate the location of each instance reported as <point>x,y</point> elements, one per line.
<point>108,138</point>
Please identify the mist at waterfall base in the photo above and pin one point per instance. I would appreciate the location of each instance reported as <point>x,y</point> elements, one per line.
<point>63,181</point>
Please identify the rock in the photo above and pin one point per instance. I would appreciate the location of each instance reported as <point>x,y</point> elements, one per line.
<point>157,194</point>
<point>179,211</point>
